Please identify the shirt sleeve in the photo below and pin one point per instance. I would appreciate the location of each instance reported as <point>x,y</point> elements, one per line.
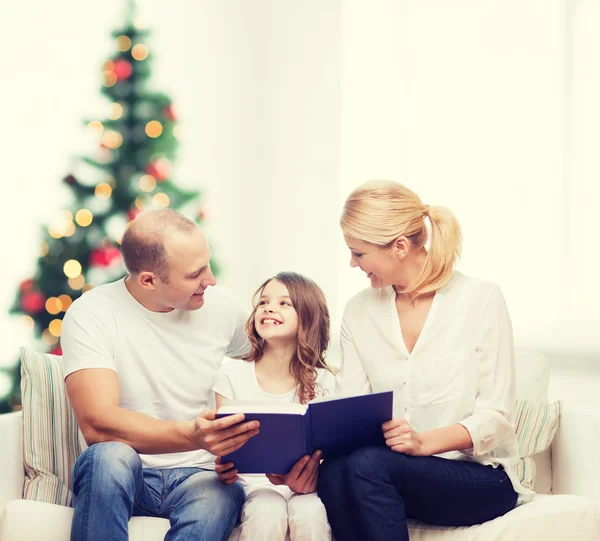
<point>240,344</point>
<point>85,342</point>
<point>352,378</point>
<point>222,384</point>
<point>326,383</point>
<point>490,422</point>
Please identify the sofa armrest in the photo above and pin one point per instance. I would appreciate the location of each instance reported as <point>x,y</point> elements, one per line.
<point>576,452</point>
<point>11,457</point>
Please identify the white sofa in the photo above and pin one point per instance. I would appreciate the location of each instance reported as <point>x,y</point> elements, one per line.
<point>570,470</point>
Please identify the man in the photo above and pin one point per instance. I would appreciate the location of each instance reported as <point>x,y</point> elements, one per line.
<point>140,356</point>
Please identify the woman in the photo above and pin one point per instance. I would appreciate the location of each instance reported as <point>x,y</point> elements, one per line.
<point>442,341</point>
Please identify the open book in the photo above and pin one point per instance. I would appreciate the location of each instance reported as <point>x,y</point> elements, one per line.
<point>289,431</point>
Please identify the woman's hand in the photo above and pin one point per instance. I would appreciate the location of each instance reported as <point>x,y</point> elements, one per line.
<point>302,478</point>
<point>402,438</point>
<point>226,472</point>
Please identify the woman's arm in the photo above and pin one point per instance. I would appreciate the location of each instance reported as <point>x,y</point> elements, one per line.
<point>490,421</point>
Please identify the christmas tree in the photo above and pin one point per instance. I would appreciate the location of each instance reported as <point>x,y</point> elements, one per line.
<point>130,172</point>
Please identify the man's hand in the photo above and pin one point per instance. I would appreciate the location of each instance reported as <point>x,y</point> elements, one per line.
<point>402,438</point>
<point>222,436</point>
<point>302,478</point>
<point>226,472</point>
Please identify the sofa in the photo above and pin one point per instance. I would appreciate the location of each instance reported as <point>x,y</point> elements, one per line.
<point>567,482</point>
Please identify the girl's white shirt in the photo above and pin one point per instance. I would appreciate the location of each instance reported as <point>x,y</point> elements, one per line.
<point>461,369</point>
<point>236,380</point>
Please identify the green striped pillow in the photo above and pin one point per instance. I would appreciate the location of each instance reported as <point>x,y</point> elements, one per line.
<point>536,424</point>
<point>50,432</point>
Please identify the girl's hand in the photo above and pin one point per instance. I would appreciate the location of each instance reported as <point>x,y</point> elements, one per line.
<point>402,438</point>
<point>225,472</point>
<point>302,478</point>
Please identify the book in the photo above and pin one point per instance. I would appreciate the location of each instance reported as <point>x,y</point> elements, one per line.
<point>333,425</point>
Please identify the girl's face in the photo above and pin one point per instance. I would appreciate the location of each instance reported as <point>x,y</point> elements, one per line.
<point>276,317</point>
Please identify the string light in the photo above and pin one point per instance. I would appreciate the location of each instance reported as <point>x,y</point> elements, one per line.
<point>112,139</point>
<point>87,287</point>
<point>110,78</point>
<point>96,126</point>
<point>147,183</point>
<point>55,233</point>
<point>123,43</point>
<point>103,191</point>
<point>53,305</point>
<point>72,268</point>
<point>55,327</point>
<point>139,52</point>
<point>109,65</point>
<point>116,111</point>
<point>44,248</point>
<point>84,217</point>
<point>49,338</point>
<point>65,302</point>
<point>70,230</point>
<point>161,199</point>
<point>139,203</point>
<point>176,132</point>
<point>154,129</point>
<point>76,283</point>
<point>28,322</point>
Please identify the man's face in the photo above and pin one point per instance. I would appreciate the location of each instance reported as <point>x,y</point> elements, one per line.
<point>189,271</point>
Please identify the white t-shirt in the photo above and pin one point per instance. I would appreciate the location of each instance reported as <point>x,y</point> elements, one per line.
<point>461,370</point>
<point>236,380</point>
<point>166,362</point>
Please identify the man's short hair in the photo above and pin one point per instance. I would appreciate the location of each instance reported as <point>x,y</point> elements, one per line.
<point>143,244</point>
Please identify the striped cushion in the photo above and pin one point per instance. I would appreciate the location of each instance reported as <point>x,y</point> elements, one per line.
<point>50,432</point>
<point>536,424</point>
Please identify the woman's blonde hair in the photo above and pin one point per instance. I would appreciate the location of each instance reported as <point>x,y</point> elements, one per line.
<point>309,302</point>
<point>380,211</point>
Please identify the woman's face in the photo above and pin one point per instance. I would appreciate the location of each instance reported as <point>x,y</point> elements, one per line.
<point>379,263</point>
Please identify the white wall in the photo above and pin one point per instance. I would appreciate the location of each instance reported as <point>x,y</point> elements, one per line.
<point>489,108</point>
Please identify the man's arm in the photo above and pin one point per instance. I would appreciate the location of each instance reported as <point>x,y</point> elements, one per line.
<point>94,396</point>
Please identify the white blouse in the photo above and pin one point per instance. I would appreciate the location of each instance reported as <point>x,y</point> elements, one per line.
<point>461,369</point>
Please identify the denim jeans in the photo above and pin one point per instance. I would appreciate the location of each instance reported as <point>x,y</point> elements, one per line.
<point>370,493</point>
<point>110,486</point>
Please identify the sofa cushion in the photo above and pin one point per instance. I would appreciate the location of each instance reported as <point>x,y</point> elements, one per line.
<point>50,432</point>
<point>536,424</point>
<point>551,518</point>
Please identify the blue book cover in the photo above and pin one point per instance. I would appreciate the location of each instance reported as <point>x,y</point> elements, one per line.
<point>290,431</point>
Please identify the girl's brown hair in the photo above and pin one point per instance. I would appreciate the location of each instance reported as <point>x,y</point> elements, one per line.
<point>313,331</point>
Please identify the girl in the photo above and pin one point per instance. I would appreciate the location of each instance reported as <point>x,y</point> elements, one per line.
<point>289,333</point>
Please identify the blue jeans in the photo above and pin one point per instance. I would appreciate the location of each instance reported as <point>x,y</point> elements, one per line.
<point>110,486</point>
<point>370,493</point>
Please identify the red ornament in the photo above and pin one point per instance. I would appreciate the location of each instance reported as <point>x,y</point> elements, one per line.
<point>122,69</point>
<point>27,285</point>
<point>103,257</point>
<point>160,169</point>
<point>33,302</point>
<point>132,214</point>
<point>169,112</point>
<point>56,350</point>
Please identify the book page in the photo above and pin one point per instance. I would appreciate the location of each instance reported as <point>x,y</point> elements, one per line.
<point>249,406</point>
